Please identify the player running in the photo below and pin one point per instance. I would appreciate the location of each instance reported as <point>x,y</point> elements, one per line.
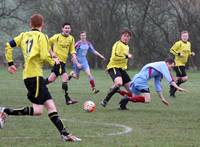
<point>61,45</point>
<point>118,64</point>
<point>182,51</point>
<point>82,48</point>
<point>34,45</point>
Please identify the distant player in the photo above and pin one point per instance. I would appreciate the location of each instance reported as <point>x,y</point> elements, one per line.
<point>182,51</point>
<point>139,85</point>
<point>82,48</point>
<point>34,45</point>
<point>61,45</point>
<point>118,64</point>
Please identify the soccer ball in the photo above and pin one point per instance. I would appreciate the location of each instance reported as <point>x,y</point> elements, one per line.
<point>89,106</point>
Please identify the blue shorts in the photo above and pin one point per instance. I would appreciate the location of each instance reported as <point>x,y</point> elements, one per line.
<point>137,90</point>
<point>84,67</point>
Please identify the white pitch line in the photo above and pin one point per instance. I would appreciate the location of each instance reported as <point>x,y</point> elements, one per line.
<point>126,130</point>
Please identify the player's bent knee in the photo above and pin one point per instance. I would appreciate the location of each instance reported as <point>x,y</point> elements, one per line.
<point>185,79</point>
<point>50,106</point>
<point>147,99</point>
<point>37,112</point>
<point>118,84</point>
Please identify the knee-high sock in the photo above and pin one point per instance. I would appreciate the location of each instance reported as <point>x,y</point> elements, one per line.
<point>92,84</point>
<point>65,88</point>
<point>124,93</point>
<point>58,123</point>
<point>178,82</point>
<point>137,99</point>
<point>20,111</point>
<point>111,93</point>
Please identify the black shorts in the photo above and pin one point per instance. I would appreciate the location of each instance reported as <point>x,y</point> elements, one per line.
<point>180,71</point>
<point>118,72</point>
<point>59,69</point>
<point>37,91</point>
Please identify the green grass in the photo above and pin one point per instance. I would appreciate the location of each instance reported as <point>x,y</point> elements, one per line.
<point>153,124</point>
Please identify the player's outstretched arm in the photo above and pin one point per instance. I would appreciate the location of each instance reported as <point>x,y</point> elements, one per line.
<point>178,88</point>
<point>163,99</point>
<point>100,55</point>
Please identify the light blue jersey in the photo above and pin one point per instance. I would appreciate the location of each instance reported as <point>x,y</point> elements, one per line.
<point>156,70</point>
<point>82,48</point>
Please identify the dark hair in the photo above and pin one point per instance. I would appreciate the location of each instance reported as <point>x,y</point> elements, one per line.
<point>82,32</point>
<point>126,30</point>
<point>36,20</point>
<point>183,32</point>
<point>169,60</point>
<point>66,23</point>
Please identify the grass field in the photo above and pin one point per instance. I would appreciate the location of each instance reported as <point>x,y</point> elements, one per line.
<point>143,125</point>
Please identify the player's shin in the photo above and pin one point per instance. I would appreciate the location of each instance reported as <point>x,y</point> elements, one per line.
<point>92,84</point>
<point>68,100</point>
<point>137,99</point>
<point>124,93</point>
<point>20,111</point>
<point>111,93</point>
<point>58,123</point>
<point>65,88</point>
<point>173,89</point>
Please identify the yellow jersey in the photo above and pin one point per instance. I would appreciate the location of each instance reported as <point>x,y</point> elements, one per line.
<point>181,50</point>
<point>119,56</point>
<point>35,46</point>
<point>62,46</point>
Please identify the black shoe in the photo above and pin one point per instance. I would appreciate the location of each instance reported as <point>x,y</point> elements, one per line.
<point>103,103</point>
<point>69,78</point>
<point>121,108</point>
<point>172,95</point>
<point>71,101</point>
<point>172,91</point>
<point>123,103</point>
<point>95,91</point>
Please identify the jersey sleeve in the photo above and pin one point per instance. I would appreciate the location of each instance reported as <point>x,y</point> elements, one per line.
<point>72,46</point>
<point>9,48</point>
<point>91,48</point>
<point>52,41</point>
<point>157,83</point>
<point>175,48</point>
<point>44,50</point>
<point>167,74</point>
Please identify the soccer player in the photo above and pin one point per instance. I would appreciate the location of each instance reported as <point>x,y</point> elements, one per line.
<point>61,45</point>
<point>35,46</point>
<point>82,48</point>
<point>139,85</point>
<point>118,64</point>
<point>182,51</point>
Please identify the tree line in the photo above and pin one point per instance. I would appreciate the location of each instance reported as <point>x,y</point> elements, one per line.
<point>156,24</point>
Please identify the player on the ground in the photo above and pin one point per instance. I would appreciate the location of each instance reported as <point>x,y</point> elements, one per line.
<point>182,51</point>
<point>34,45</point>
<point>139,85</point>
<point>118,64</point>
<point>82,48</point>
<point>61,45</point>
